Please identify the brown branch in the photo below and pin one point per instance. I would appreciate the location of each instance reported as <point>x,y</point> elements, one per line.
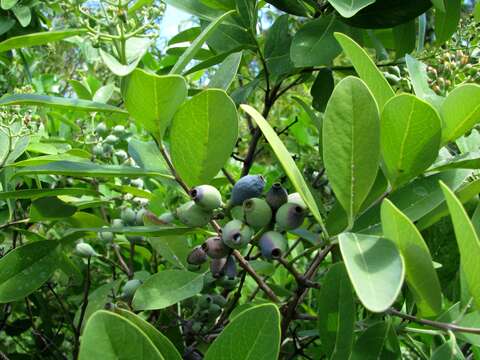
<point>435,324</point>
<point>229,176</point>
<point>123,264</point>
<point>299,278</point>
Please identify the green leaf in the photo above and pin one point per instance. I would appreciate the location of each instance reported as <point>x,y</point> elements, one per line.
<point>24,269</point>
<point>277,48</point>
<point>174,249</point>
<point>351,143</point>
<point>419,271</point>
<point>439,5</point>
<point>460,111</point>
<point>152,100</point>
<point>58,102</point>
<point>470,160</point>
<point>81,89</point>
<point>37,39</point>
<point>446,22</point>
<point>348,8</point>
<point>285,159</point>
<point>322,89</point>
<point>109,336</point>
<point>366,69</point>
<point>135,50</point>
<point>252,335</point>
<point>203,134</point>
<point>6,24</point>
<point>410,135</point>
<point>405,36</point>
<point>147,155</point>
<point>227,72</point>
<point>468,243</point>
<point>39,193</point>
<point>419,78</point>
<point>375,268</point>
<point>8,4</point>
<point>187,35</point>
<point>196,7</point>
<point>23,14</point>
<point>161,342</point>
<point>476,12</point>
<point>314,44</point>
<point>448,350</point>
<point>336,310</point>
<point>166,288</point>
<point>294,7</point>
<point>142,230</point>
<point>50,208</point>
<point>88,169</point>
<point>196,45</point>
<point>375,343</point>
<point>104,94</point>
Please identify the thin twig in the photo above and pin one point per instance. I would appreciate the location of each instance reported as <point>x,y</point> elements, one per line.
<point>86,290</point>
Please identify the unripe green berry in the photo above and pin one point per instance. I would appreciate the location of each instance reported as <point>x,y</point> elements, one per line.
<point>101,129</point>
<point>138,183</point>
<point>119,130</point>
<point>214,310</point>
<point>290,216</point>
<point>276,196</point>
<point>236,234</point>
<point>167,218</point>
<point>205,301</point>
<point>219,300</point>
<point>197,256</point>
<point>139,217</point>
<point>257,213</point>
<point>121,155</point>
<point>193,215</point>
<point>85,250</point>
<point>272,245</point>
<point>117,223</point>
<point>128,216</point>
<point>207,197</point>
<point>237,213</point>
<point>111,139</point>
<point>97,150</point>
<point>215,248</point>
<point>130,288</point>
<point>247,187</point>
<point>105,236</point>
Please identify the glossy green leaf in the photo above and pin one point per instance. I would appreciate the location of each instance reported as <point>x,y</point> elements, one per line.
<point>322,89</point>
<point>147,155</point>
<point>203,134</point>
<point>405,36</point>
<point>294,7</point>
<point>468,243</point>
<point>81,89</point>
<point>104,94</point>
<point>161,342</point>
<point>419,271</point>
<point>366,69</point>
<point>135,50</point>
<point>50,208</point>
<point>110,336</point>
<point>150,230</point>
<point>286,161</point>
<point>58,102</point>
<point>187,35</point>
<point>470,160</point>
<point>254,334</point>
<point>446,22</point>
<point>196,7</point>
<point>26,268</point>
<point>37,39</point>
<point>448,351</point>
<point>336,313</point>
<point>152,100</point>
<point>375,268</point>
<point>277,48</point>
<point>82,169</point>
<point>8,4</point>
<point>174,249</point>
<point>376,343</point>
<point>166,288</point>
<point>39,193</point>
<point>348,8</point>
<point>23,14</point>
<point>314,44</point>
<point>419,78</point>
<point>351,143</point>
<point>476,12</point>
<point>196,45</point>
<point>460,111</point>
<point>410,135</point>
<point>227,72</point>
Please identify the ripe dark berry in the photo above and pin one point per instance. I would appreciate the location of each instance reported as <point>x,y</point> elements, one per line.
<point>247,187</point>
<point>276,196</point>
<point>272,245</point>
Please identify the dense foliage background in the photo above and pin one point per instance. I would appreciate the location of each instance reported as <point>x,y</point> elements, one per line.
<point>364,111</point>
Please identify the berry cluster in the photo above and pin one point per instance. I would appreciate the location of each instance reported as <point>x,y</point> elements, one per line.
<point>108,140</point>
<point>253,218</point>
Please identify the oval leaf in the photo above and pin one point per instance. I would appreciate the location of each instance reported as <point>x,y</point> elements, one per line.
<point>203,134</point>
<point>287,162</point>
<point>167,288</point>
<point>254,334</point>
<point>419,271</point>
<point>366,69</point>
<point>36,39</point>
<point>107,335</point>
<point>410,134</point>
<point>25,269</point>
<point>336,310</point>
<point>351,143</point>
<point>375,268</point>
<point>348,8</point>
<point>468,243</point>
<point>460,111</point>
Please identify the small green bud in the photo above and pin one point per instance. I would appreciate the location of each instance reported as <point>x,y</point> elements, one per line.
<point>111,139</point>
<point>219,300</point>
<point>193,215</point>
<point>117,223</point>
<point>85,250</point>
<point>101,129</point>
<point>214,310</point>
<point>119,130</point>
<point>97,150</point>
<point>205,301</point>
<point>139,217</point>
<point>236,234</point>
<point>121,155</point>
<point>128,216</point>
<point>207,197</point>
<point>272,245</point>
<point>257,213</point>
<point>138,183</point>
<point>276,196</point>
<point>290,216</point>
